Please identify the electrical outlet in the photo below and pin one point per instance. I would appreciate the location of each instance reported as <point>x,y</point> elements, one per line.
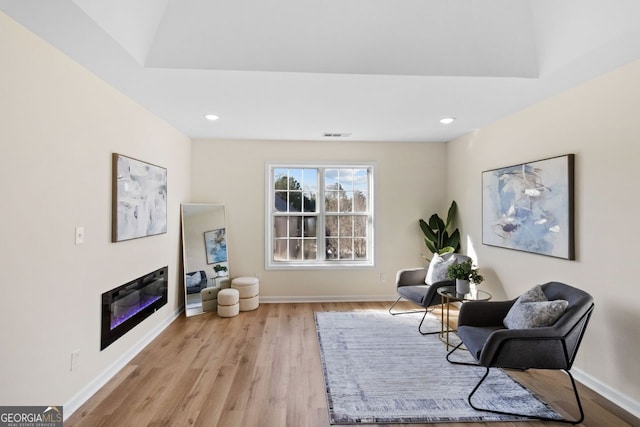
<point>383,278</point>
<point>75,359</point>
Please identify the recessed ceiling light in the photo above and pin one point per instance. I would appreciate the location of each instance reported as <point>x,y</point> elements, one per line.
<point>211,117</point>
<point>447,120</point>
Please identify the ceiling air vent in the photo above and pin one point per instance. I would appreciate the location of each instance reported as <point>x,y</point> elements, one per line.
<point>336,134</point>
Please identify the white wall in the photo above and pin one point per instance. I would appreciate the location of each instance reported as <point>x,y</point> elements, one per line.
<point>59,125</point>
<point>598,121</point>
<point>409,184</point>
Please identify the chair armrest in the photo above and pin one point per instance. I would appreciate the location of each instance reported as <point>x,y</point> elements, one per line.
<point>411,277</point>
<point>525,348</point>
<point>483,313</point>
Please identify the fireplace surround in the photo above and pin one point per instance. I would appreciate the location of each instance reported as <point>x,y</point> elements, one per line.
<point>126,306</point>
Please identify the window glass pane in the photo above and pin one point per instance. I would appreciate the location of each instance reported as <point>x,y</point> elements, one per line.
<point>346,226</point>
<point>295,201</point>
<point>310,226</point>
<point>280,250</point>
<point>331,248</point>
<point>331,226</point>
<point>280,179</point>
<point>361,180</point>
<point>346,179</point>
<point>295,179</point>
<point>331,201</point>
<point>360,248</point>
<point>309,201</point>
<point>295,226</point>
<point>310,180</point>
<point>359,202</point>
<point>346,198</point>
<point>346,251</point>
<point>295,252</point>
<point>310,249</point>
<point>280,201</point>
<point>280,226</point>
<point>331,179</point>
<point>360,226</point>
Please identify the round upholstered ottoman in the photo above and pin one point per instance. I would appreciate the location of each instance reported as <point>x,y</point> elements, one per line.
<point>228,305</point>
<point>249,290</point>
<point>209,299</point>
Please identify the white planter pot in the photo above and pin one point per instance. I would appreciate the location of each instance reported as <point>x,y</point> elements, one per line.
<point>462,286</point>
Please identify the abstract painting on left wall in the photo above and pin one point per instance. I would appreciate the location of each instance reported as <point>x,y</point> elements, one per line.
<point>139,206</point>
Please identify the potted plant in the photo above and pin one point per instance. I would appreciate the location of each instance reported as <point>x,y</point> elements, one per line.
<point>436,232</point>
<point>220,270</point>
<point>463,273</point>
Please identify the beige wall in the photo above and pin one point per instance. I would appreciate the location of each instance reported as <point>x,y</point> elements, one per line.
<point>409,184</point>
<point>598,121</point>
<point>59,125</point>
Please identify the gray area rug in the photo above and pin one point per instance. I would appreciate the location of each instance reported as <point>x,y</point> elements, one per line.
<point>378,369</point>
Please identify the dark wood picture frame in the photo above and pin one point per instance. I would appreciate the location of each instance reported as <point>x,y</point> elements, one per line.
<point>530,207</point>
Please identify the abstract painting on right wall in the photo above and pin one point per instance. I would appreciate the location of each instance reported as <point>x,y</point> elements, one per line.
<point>529,207</point>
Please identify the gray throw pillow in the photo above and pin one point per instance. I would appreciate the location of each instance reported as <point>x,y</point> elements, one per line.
<point>533,310</point>
<point>534,294</point>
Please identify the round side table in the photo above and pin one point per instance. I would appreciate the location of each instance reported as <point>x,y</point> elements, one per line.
<point>448,295</point>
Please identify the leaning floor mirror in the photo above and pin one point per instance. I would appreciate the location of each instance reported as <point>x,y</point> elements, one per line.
<point>204,251</point>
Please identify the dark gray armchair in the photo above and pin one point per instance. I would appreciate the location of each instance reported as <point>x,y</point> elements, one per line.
<point>411,284</point>
<point>482,331</point>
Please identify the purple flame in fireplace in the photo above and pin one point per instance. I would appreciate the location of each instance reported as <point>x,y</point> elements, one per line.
<point>120,313</point>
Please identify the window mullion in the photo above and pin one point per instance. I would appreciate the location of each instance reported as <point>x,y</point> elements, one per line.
<point>321,249</point>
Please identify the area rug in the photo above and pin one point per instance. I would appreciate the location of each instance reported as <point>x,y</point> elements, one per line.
<point>378,369</point>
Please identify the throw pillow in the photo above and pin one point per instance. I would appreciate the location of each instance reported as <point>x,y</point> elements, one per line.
<point>533,310</point>
<point>193,279</point>
<point>534,294</point>
<point>437,271</point>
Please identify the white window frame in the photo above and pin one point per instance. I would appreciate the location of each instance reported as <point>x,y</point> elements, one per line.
<point>271,264</point>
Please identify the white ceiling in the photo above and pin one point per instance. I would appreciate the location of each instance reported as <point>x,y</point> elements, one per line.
<point>377,69</point>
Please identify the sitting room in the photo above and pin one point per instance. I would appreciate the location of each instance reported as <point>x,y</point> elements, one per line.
<point>332,130</point>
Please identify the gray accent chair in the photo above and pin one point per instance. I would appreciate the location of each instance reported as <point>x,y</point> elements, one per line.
<point>481,329</point>
<point>411,285</point>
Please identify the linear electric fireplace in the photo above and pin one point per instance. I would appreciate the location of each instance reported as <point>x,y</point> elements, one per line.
<point>127,305</point>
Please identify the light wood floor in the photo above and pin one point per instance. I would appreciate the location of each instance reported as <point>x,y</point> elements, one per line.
<point>262,368</point>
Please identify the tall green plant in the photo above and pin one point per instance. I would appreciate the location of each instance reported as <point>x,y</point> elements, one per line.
<point>436,232</point>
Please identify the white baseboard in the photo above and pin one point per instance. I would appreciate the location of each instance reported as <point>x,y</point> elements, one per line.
<point>81,397</point>
<point>623,401</point>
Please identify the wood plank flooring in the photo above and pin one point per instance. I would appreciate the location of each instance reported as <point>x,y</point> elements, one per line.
<point>262,368</point>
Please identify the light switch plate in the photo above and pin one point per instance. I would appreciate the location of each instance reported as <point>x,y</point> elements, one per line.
<point>79,235</point>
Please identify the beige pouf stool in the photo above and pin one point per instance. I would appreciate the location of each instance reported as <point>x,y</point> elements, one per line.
<point>209,299</point>
<point>249,290</point>
<point>228,305</point>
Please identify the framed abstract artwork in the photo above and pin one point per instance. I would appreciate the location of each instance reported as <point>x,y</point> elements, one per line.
<point>139,199</point>
<point>529,207</point>
<point>215,244</point>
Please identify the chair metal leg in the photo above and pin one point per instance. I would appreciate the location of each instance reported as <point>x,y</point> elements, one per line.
<point>401,312</point>
<point>458,363</point>
<point>425,311</point>
<point>536,417</point>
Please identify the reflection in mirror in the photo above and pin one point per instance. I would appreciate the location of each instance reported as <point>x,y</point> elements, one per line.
<point>204,251</point>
